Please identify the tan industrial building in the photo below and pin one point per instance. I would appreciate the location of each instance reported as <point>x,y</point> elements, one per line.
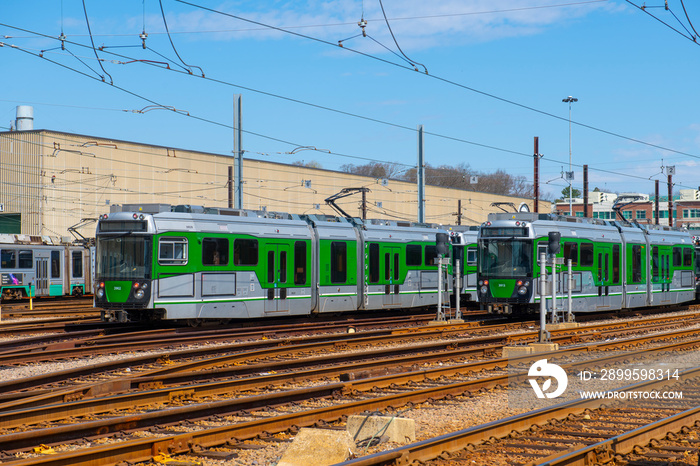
<point>53,180</point>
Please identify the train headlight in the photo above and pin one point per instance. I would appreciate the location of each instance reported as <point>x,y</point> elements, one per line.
<point>100,293</point>
<point>522,290</point>
<point>139,294</point>
<point>484,289</point>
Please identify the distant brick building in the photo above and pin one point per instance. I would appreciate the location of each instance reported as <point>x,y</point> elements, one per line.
<point>685,207</point>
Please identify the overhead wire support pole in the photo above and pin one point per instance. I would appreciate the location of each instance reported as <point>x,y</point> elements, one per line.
<point>536,178</point>
<point>238,151</point>
<point>570,174</point>
<point>670,200</point>
<point>421,177</point>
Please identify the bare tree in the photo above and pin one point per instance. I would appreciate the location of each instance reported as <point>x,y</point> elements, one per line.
<point>375,170</point>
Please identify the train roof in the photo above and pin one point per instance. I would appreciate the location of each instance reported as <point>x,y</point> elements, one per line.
<point>35,240</point>
<point>592,228</point>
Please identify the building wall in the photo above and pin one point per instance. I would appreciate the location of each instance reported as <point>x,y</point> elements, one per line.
<point>55,180</point>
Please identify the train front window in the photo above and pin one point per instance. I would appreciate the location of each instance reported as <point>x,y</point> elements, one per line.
<point>505,258</point>
<point>124,258</point>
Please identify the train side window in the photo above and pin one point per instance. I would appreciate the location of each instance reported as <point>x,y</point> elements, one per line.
<point>245,252</point>
<point>26,260</point>
<point>55,264</point>
<point>77,257</point>
<point>687,257</point>
<point>471,256</point>
<point>636,263</point>
<point>396,266</point>
<point>571,252</point>
<point>387,266</point>
<point>214,251</point>
<point>270,266</point>
<point>283,266</point>
<point>339,262</point>
<point>677,256</point>
<point>299,262</point>
<point>616,263</point>
<point>654,263</point>
<point>587,255</point>
<point>413,255</point>
<point>172,251</point>
<point>374,263</point>
<point>8,259</point>
<point>600,267</point>
<point>431,255</point>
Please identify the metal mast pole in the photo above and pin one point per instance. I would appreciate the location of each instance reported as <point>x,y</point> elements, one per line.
<point>238,151</point>
<point>421,177</point>
<point>536,184</point>
<point>570,100</point>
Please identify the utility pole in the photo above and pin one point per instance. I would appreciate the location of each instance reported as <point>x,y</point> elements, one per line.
<point>656,203</point>
<point>536,184</point>
<point>364,205</point>
<point>421,177</point>
<point>459,212</point>
<point>670,198</point>
<point>230,186</point>
<point>238,150</point>
<point>570,174</point>
<point>585,190</point>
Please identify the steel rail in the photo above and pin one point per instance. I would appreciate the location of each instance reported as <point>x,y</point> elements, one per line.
<point>430,449</point>
<point>58,434</point>
<point>354,368</point>
<point>624,443</point>
<point>284,345</point>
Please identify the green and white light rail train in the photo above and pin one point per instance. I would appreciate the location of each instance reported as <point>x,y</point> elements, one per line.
<point>222,264</point>
<point>615,265</point>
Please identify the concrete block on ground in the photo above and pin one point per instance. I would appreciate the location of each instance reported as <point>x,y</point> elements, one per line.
<point>516,351</point>
<point>543,347</point>
<point>318,447</point>
<point>563,325</point>
<point>398,429</point>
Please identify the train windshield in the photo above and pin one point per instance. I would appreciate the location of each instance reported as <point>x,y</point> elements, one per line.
<point>124,257</point>
<point>505,258</point>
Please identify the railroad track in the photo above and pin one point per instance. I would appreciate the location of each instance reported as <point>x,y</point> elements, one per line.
<point>49,307</point>
<point>256,427</point>
<point>580,432</point>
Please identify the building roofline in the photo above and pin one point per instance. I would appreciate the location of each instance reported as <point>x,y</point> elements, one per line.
<point>87,136</point>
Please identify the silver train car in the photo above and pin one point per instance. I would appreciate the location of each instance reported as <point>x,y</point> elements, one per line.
<point>42,266</point>
<point>238,264</point>
<point>614,266</point>
<point>464,247</point>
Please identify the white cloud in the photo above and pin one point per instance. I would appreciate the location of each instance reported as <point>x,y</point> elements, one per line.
<point>417,25</point>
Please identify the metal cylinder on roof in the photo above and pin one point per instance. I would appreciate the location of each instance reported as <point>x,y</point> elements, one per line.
<point>25,118</point>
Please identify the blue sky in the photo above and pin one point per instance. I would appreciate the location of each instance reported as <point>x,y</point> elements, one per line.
<point>497,74</point>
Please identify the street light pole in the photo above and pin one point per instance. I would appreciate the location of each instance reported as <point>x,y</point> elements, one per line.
<point>570,100</point>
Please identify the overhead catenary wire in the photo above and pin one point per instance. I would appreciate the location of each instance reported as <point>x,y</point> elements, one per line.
<point>87,21</point>
<point>354,115</point>
<point>167,30</point>
<point>515,152</point>
<point>412,62</point>
<point>402,126</point>
<point>448,81</point>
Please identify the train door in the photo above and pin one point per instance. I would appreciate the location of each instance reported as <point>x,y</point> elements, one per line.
<point>41,274</point>
<point>392,272</point>
<point>277,257</point>
<point>604,254</point>
<point>665,278</point>
<point>56,280</point>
